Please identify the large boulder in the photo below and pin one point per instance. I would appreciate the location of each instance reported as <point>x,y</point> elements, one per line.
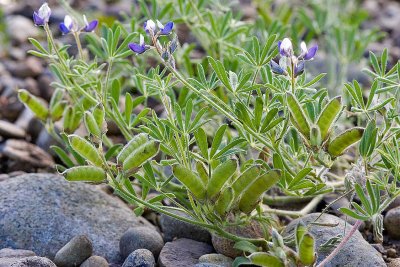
<point>356,252</point>
<point>42,212</point>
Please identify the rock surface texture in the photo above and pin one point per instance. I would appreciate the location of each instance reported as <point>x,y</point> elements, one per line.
<point>42,212</point>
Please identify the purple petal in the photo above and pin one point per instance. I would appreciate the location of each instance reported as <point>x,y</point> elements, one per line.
<point>64,29</point>
<point>91,26</point>
<point>299,68</point>
<point>38,21</point>
<point>311,52</point>
<point>167,28</point>
<point>137,48</point>
<point>144,27</point>
<point>276,68</point>
<point>279,48</point>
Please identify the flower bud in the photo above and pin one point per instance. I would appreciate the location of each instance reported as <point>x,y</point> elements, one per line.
<point>42,17</point>
<point>286,48</point>
<point>149,26</point>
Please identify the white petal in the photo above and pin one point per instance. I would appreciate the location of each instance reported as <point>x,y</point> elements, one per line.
<point>68,22</point>
<point>85,20</point>
<point>150,25</point>
<point>304,49</point>
<point>159,24</point>
<point>141,41</point>
<point>287,45</point>
<point>44,12</point>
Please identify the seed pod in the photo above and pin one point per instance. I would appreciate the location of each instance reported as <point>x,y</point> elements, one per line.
<point>344,140</point>
<point>85,174</point>
<point>265,259</point>
<point>201,170</point>
<point>244,180</point>
<point>328,115</point>
<point>224,201</point>
<point>190,180</point>
<point>34,104</point>
<point>72,119</point>
<point>56,98</point>
<point>252,194</point>
<point>301,230</point>
<point>91,125</point>
<point>298,116</point>
<point>85,149</point>
<point>57,110</point>
<point>99,116</point>
<point>306,250</point>
<point>140,155</point>
<point>133,144</point>
<point>220,176</point>
<point>315,138</point>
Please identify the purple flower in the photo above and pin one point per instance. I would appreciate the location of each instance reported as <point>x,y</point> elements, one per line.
<point>90,26</point>
<point>149,25</point>
<point>67,25</point>
<point>299,69</point>
<point>308,54</point>
<point>165,30</point>
<point>285,47</point>
<point>276,68</point>
<point>139,48</point>
<point>42,17</point>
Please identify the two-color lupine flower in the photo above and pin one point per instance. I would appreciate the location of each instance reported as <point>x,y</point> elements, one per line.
<point>42,17</point>
<point>150,27</point>
<point>70,25</point>
<point>165,30</point>
<point>139,48</point>
<point>288,58</point>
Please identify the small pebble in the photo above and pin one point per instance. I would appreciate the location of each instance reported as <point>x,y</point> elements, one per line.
<point>15,253</point>
<point>140,258</point>
<point>74,252</point>
<point>392,222</point>
<point>391,253</point>
<point>217,259</point>
<point>95,261</point>
<point>140,237</point>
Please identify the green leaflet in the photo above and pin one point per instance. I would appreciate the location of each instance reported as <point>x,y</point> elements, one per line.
<point>85,174</point>
<point>338,145</point>
<point>252,194</point>
<point>328,116</point>
<point>192,182</point>
<point>220,176</point>
<point>298,116</point>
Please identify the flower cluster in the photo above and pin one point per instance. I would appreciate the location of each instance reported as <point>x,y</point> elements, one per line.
<point>296,63</point>
<point>151,29</point>
<point>42,16</point>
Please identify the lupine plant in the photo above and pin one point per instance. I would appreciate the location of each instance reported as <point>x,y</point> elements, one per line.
<point>241,122</point>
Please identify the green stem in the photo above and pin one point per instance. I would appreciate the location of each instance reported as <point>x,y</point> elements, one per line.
<point>78,44</point>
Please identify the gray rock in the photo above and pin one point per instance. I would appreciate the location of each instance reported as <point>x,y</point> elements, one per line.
<point>182,253</point>
<point>140,258</point>
<point>95,261</point>
<point>16,253</point>
<point>392,222</point>
<point>31,67</point>
<point>225,246</point>
<point>42,212</point>
<point>356,252</point>
<point>394,263</point>
<point>33,261</point>
<point>173,228</point>
<point>74,252</point>
<point>217,259</point>
<point>8,129</point>
<point>21,28</point>
<point>140,237</point>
